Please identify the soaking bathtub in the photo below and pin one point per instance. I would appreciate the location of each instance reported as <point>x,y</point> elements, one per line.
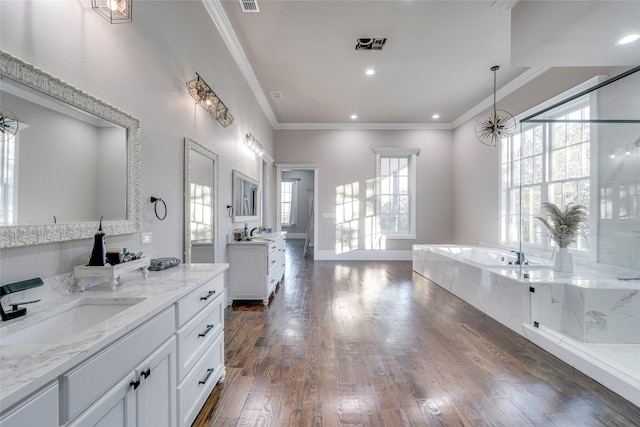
<point>577,317</point>
<point>488,257</point>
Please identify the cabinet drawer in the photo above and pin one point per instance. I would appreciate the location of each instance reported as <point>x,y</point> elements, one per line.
<point>40,410</point>
<point>196,336</point>
<point>272,263</point>
<point>87,382</point>
<point>199,298</point>
<point>197,385</point>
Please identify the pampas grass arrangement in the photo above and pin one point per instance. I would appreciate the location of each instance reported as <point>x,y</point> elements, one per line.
<point>564,225</point>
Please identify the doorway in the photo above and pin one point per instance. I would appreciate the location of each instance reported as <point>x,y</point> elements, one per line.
<point>296,202</point>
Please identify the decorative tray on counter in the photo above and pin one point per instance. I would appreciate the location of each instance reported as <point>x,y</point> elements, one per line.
<point>84,273</point>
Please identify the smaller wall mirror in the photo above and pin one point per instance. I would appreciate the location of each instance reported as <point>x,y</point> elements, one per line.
<point>200,203</point>
<point>246,204</point>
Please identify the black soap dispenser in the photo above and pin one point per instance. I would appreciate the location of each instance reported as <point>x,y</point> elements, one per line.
<point>99,253</point>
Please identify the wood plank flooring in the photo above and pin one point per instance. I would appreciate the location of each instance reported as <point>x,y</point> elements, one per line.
<point>374,344</point>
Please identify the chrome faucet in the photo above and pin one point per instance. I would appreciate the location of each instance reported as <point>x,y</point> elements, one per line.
<point>11,288</point>
<point>520,259</point>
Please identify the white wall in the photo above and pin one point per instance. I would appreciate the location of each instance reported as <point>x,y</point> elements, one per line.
<point>346,159</point>
<point>476,167</point>
<point>140,68</point>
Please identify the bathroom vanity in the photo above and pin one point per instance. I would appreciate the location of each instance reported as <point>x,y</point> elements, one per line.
<point>256,267</point>
<point>151,360</point>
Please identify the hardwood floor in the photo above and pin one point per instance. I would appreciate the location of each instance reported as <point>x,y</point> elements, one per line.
<point>374,344</point>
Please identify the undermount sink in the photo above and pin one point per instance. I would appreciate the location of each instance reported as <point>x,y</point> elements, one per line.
<point>65,322</point>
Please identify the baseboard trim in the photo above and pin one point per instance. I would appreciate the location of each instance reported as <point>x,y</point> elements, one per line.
<point>364,255</point>
<point>296,235</point>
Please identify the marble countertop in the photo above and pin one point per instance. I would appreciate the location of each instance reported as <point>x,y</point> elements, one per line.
<point>25,368</point>
<point>259,239</point>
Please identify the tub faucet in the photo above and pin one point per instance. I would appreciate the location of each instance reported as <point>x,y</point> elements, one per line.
<point>519,258</point>
<point>17,287</point>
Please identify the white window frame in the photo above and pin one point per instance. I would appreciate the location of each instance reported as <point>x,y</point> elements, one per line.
<point>293,212</point>
<point>505,205</point>
<point>411,155</point>
<point>9,212</point>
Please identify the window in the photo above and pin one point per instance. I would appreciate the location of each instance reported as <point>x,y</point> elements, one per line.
<point>545,162</point>
<point>395,192</point>
<point>288,202</point>
<point>7,179</point>
<point>201,213</point>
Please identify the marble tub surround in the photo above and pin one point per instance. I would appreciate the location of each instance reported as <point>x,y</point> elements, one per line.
<point>497,292</point>
<point>592,310</point>
<point>24,368</point>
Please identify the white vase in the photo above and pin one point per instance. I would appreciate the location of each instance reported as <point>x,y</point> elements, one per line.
<point>563,261</point>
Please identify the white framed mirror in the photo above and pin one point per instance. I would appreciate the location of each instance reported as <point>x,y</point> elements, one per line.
<point>73,160</point>
<point>200,203</point>
<point>246,200</point>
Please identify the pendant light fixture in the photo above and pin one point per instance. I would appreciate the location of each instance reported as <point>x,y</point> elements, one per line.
<point>114,11</point>
<point>8,123</point>
<point>497,124</point>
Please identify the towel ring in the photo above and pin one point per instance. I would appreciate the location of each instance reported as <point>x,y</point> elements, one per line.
<point>155,201</point>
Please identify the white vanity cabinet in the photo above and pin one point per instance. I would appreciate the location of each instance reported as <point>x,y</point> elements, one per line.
<point>152,365</point>
<point>40,410</point>
<point>256,267</point>
<point>200,337</point>
<point>142,365</point>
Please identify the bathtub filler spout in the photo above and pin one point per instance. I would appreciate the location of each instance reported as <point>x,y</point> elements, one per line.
<point>520,259</point>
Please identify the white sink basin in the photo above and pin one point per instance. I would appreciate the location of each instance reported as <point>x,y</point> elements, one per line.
<point>65,321</point>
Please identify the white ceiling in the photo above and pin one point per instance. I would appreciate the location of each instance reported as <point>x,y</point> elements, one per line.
<point>437,57</point>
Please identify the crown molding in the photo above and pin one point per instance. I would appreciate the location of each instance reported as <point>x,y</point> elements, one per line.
<point>364,126</point>
<point>506,90</point>
<point>222,23</point>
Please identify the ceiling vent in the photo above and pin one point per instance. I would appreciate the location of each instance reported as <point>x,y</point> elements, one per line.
<point>249,5</point>
<point>370,43</point>
<point>276,95</point>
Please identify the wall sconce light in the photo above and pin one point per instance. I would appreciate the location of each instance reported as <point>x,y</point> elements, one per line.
<point>253,144</point>
<point>625,151</point>
<point>207,98</point>
<point>114,11</point>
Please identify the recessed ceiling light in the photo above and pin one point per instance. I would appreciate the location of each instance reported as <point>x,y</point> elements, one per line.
<point>628,39</point>
<point>435,116</point>
<point>354,116</point>
<point>370,72</point>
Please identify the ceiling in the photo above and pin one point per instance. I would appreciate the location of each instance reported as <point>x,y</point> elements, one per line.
<point>436,59</point>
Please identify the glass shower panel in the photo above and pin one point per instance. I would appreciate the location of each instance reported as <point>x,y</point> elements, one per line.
<point>591,158</point>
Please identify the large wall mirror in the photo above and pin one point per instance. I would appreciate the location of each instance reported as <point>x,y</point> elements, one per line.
<point>72,160</point>
<point>246,205</point>
<point>200,203</point>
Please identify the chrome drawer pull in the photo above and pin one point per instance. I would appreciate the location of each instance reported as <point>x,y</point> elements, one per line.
<point>206,378</point>
<point>208,296</point>
<point>206,331</point>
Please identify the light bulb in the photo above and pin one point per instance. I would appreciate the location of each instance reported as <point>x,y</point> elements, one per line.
<point>612,156</point>
<point>629,39</point>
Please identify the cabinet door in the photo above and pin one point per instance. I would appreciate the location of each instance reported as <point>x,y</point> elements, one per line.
<point>40,410</point>
<point>114,409</point>
<point>156,394</point>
